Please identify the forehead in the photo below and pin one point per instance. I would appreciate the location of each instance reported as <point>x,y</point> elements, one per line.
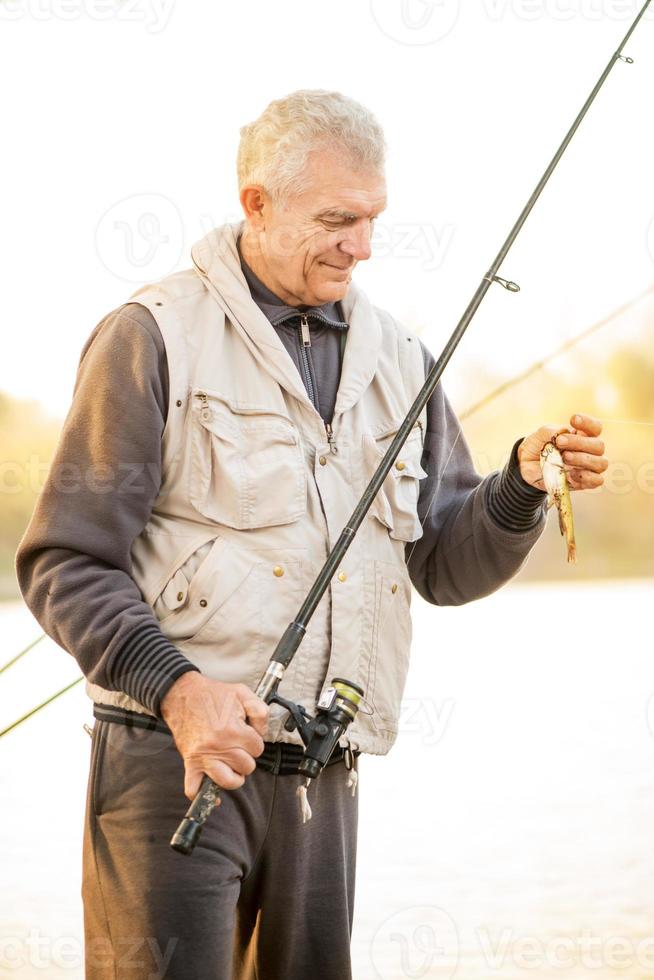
<point>333,184</point>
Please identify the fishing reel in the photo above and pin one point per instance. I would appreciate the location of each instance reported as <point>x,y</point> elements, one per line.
<point>335,711</point>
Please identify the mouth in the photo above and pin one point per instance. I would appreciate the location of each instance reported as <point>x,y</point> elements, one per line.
<point>338,268</point>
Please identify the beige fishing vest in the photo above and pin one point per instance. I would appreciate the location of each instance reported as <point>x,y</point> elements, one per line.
<point>253,497</point>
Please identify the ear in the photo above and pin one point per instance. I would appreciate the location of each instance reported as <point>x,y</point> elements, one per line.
<point>255,204</point>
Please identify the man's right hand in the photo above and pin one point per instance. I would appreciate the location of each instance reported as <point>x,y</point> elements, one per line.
<point>217,728</point>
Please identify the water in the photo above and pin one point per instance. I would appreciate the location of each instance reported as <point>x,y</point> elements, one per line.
<point>508,833</point>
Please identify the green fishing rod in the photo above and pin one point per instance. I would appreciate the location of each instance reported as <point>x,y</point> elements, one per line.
<point>343,697</point>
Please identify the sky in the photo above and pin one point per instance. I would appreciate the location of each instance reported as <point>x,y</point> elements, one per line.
<point>121,125</point>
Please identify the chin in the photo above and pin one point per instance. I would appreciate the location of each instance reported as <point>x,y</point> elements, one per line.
<point>333,291</point>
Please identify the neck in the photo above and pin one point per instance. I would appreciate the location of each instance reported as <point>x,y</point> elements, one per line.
<point>250,251</point>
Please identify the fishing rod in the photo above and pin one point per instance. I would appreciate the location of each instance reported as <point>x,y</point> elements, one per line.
<point>339,704</point>
<point>471,410</point>
<point>465,414</point>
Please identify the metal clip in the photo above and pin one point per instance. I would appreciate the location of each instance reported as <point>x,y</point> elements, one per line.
<point>513,287</point>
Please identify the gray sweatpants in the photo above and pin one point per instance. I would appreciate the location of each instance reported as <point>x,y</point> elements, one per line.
<point>263,897</point>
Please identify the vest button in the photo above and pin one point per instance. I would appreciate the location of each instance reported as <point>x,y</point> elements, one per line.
<point>322,460</point>
<point>179,402</point>
<point>278,570</point>
<point>342,576</point>
<point>203,603</point>
<point>394,588</point>
<point>180,596</point>
<point>400,465</point>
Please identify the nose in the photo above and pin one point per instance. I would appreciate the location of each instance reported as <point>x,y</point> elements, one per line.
<point>357,241</point>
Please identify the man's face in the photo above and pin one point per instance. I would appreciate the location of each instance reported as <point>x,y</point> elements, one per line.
<point>308,247</point>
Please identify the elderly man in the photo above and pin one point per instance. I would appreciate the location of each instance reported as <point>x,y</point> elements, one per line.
<point>224,424</point>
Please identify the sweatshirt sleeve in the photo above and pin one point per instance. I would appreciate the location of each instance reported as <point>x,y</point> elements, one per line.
<point>477,532</point>
<point>73,563</point>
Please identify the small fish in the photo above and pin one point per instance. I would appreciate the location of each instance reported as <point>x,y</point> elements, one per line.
<point>558,492</point>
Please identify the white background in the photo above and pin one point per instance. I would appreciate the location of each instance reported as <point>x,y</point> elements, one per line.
<point>121,126</point>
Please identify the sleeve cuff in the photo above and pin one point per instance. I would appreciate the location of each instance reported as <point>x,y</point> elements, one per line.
<point>146,666</point>
<point>512,502</point>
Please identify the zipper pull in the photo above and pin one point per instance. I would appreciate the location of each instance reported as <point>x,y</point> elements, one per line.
<point>205,411</point>
<point>304,328</point>
<point>330,438</point>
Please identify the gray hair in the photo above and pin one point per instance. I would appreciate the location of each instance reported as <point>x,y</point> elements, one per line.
<point>273,150</point>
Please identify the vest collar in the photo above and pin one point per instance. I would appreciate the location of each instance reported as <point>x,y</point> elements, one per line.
<point>216,260</point>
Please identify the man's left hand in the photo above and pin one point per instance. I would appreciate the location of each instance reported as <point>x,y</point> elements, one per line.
<point>580,446</point>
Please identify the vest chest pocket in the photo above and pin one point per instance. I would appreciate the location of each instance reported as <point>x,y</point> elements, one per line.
<point>247,464</point>
<point>396,504</point>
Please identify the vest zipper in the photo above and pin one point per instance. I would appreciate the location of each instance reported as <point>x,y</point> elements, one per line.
<point>304,356</point>
<point>330,438</point>
<point>304,328</point>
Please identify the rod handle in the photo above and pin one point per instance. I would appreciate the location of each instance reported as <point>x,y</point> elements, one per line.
<point>188,833</point>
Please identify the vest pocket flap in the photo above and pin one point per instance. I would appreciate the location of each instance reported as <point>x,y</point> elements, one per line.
<point>199,589</point>
<point>406,465</point>
<point>174,595</point>
<point>396,504</point>
<point>247,464</point>
<point>240,425</point>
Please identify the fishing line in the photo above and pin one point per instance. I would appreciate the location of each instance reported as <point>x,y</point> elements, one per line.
<point>43,704</point>
<point>537,365</point>
<point>22,653</point>
<point>523,375</point>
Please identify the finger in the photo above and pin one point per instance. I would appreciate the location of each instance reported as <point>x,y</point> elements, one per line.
<point>584,480</point>
<point>548,433</point>
<point>193,776</point>
<point>248,738</point>
<point>223,774</point>
<point>239,760</point>
<point>588,423</point>
<point>589,444</point>
<point>257,712</point>
<point>586,461</point>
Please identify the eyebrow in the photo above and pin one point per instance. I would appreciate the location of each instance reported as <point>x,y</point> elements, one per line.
<point>342,213</point>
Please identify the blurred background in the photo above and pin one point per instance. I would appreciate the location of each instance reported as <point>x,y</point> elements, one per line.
<point>507,834</point>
